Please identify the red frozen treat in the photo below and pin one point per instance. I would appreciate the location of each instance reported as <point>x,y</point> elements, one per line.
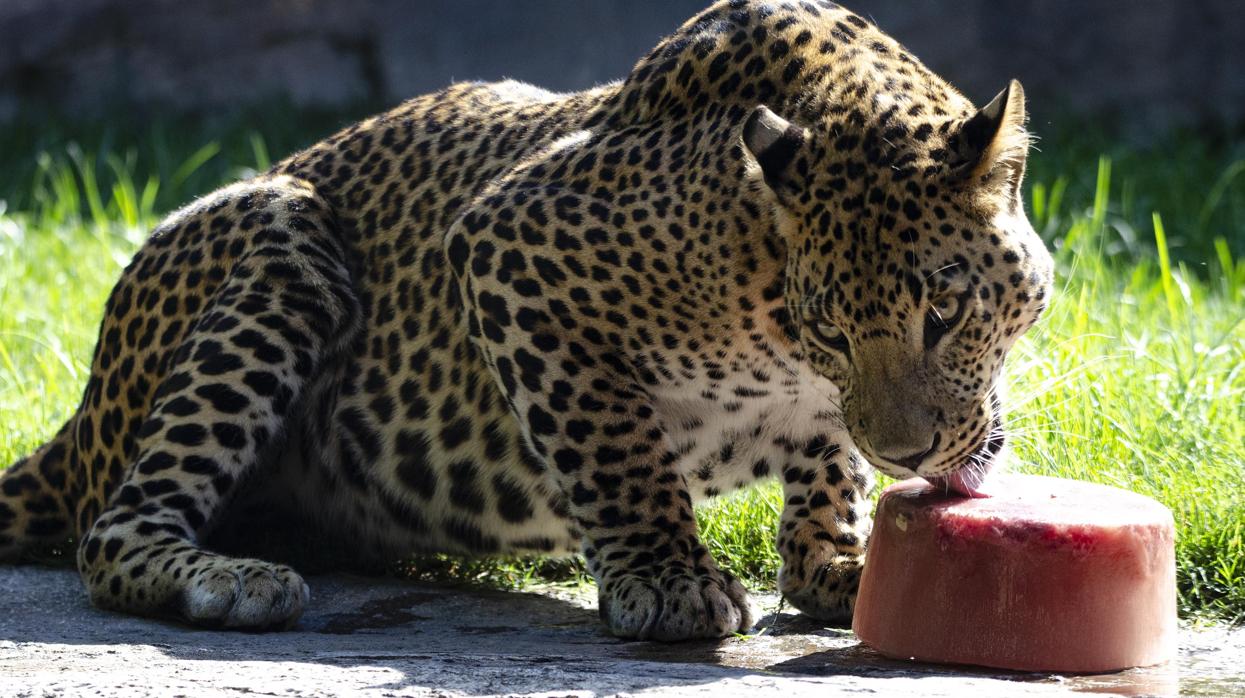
<point>1043,574</point>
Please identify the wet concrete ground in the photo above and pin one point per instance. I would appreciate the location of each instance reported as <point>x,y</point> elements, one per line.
<point>378,637</point>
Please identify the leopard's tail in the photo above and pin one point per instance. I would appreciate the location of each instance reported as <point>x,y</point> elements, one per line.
<point>36,501</point>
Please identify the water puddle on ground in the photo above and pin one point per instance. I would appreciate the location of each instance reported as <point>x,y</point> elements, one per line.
<point>1211,664</point>
<point>376,614</point>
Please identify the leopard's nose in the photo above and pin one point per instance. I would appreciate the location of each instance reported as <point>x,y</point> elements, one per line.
<point>912,461</point>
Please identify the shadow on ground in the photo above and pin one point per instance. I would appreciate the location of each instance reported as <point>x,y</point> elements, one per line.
<point>376,636</point>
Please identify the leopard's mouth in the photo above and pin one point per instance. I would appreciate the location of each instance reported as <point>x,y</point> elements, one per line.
<point>960,470</point>
<point>967,479</point>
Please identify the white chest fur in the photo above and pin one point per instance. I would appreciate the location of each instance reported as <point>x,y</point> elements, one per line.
<point>733,424</point>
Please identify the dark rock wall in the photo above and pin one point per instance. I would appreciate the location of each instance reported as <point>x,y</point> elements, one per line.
<point>1154,61</point>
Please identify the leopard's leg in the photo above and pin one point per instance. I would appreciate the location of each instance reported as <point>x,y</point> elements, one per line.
<point>587,415</point>
<point>628,494</point>
<point>36,497</point>
<point>824,527</point>
<point>283,305</point>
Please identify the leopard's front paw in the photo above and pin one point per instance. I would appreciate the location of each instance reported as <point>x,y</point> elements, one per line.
<point>674,606</point>
<point>826,592</point>
<point>239,593</point>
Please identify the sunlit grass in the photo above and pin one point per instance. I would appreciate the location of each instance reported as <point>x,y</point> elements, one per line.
<point>1135,377</point>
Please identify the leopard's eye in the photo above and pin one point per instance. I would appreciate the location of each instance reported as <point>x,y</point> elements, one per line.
<point>946,308</point>
<point>828,335</point>
<point>943,314</point>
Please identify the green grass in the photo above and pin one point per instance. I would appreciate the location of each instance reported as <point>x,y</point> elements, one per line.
<point>1136,377</point>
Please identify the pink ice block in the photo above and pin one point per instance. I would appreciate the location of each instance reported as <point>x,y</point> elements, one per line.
<point>1044,574</point>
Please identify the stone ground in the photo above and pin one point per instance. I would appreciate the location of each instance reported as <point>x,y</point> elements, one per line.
<point>378,637</point>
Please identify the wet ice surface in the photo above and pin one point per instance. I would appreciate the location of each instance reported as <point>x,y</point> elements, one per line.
<point>390,638</point>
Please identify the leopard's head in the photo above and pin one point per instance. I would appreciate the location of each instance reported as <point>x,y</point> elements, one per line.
<point>912,268</point>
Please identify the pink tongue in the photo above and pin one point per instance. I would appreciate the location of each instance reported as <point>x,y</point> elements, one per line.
<point>965,481</point>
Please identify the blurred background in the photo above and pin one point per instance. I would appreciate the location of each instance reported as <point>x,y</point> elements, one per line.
<point>1150,62</point>
<point>114,112</point>
<point>155,80</point>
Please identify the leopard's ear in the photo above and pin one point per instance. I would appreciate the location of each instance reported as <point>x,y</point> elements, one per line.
<point>993,142</point>
<point>774,142</point>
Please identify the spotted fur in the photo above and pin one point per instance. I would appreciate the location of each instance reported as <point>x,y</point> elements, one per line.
<point>498,319</point>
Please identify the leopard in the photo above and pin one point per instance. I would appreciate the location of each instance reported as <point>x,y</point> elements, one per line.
<point>499,320</point>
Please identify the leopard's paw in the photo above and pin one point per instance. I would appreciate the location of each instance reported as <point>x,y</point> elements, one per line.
<point>827,592</point>
<point>240,593</point>
<point>676,606</point>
